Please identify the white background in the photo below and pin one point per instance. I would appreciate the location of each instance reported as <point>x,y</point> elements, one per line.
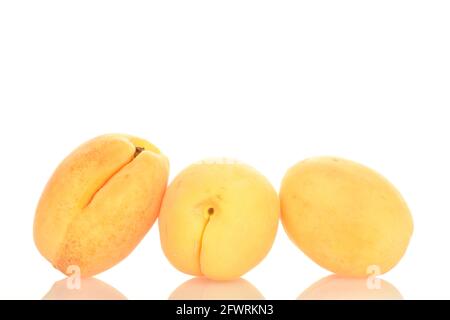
<point>266,82</point>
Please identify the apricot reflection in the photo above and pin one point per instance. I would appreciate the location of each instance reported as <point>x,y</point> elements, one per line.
<point>205,289</point>
<point>89,289</point>
<point>340,288</point>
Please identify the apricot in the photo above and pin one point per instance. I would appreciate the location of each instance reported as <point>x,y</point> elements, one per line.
<point>345,216</point>
<point>218,219</point>
<point>99,203</point>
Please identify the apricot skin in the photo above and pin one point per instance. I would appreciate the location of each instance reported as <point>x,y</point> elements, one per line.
<point>100,202</point>
<point>218,220</point>
<point>345,216</point>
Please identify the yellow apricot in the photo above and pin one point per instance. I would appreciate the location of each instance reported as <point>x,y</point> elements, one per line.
<point>218,219</point>
<point>99,203</point>
<point>345,216</point>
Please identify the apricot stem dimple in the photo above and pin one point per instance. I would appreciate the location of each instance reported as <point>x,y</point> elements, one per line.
<point>138,151</point>
<point>210,211</point>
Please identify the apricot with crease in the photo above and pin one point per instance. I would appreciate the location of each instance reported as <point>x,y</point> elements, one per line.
<point>100,202</point>
<point>218,219</point>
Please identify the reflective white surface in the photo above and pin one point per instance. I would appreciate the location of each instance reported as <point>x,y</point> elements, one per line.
<point>329,288</point>
<point>204,289</point>
<point>86,289</point>
<point>340,288</point>
<point>266,82</point>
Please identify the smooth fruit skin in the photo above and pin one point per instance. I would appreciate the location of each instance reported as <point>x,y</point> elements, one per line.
<point>218,219</point>
<point>100,202</point>
<point>345,216</point>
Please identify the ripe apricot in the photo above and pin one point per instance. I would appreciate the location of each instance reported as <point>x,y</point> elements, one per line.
<point>100,202</point>
<point>345,216</point>
<point>218,219</point>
